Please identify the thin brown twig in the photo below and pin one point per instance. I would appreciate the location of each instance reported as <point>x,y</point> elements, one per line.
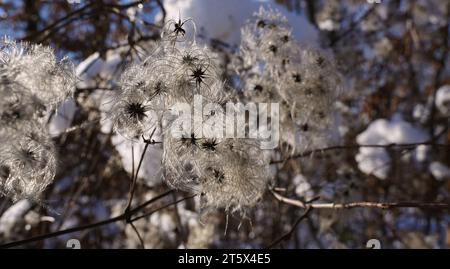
<point>162,207</point>
<point>126,6</point>
<point>55,23</point>
<point>352,26</point>
<point>293,229</point>
<point>441,69</point>
<point>141,241</point>
<point>380,205</point>
<point>47,34</point>
<point>121,217</point>
<point>127,18</point>
<point>163,11</point>
<point>355,146</point>
<point>134,176</point>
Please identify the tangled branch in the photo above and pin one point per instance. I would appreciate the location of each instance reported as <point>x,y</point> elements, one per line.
<point>123,217</point>
<point>293,229</point>
<point>357,146</point>
<point>380,205</point>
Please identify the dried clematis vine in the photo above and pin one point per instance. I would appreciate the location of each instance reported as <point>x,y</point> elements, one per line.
<point>229,172</point>
<point>304,80</point>
<point>32,85</point>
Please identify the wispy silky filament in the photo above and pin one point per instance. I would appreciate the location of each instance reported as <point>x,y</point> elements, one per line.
<point>227,172</point>
<point>304,80</point>
<point>32,85</point>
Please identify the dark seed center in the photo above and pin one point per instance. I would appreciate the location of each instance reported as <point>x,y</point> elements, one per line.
<point>297,77</point>
<point>136,111</point>
<point>209,145</point>
<point>4,172</point>
<point>261,24</point>
<point>258,88</point>
<point>273,48</point>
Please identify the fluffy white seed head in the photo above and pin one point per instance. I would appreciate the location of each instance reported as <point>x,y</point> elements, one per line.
<point>27,163</point>
<point>35,68</point>
<point>303,80</point>
<point>32,84</point>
